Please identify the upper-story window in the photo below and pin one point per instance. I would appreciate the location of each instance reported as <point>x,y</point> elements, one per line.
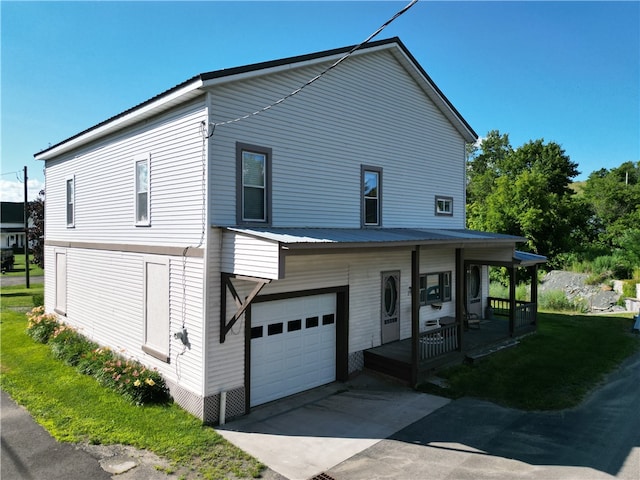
<point>371,196</point>
<point>142,189</point>
<point>71,201</point>
<point>444,205</point>
<point>254,184</point>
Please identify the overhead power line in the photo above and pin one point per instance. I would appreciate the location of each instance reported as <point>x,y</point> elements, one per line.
<point>321,74</point>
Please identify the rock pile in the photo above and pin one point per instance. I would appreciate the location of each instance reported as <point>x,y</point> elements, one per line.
<point>598,298</point>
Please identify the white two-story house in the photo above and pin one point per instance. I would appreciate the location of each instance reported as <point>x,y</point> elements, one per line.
<point>250,256</point>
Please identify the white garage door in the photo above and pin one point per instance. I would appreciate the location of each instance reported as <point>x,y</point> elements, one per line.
<point>293,346</point>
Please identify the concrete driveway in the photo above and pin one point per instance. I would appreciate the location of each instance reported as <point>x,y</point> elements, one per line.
<point>372,430</point>
<point>305,435</point>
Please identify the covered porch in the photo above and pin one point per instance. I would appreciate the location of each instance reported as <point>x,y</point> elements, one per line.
<point>451,340</point>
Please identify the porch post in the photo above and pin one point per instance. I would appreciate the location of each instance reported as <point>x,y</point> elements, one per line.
<point>460,295</point>
<point>415,314</point>
<point>512,300</point>
<point>534,293</point>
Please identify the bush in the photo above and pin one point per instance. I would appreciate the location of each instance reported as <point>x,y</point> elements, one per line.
<point>629,288</point>
<point>557,301</point>
<point>38,299</point>
<point>69,346</point>
<point>135,382</point>
<point>40,325</point>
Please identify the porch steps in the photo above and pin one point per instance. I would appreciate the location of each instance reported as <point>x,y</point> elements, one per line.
<point>479,355</point>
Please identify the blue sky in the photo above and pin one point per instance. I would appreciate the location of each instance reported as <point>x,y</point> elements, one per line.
<point>567,72</point>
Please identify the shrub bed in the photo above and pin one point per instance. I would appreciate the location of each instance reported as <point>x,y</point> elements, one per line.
<point>131,379</point>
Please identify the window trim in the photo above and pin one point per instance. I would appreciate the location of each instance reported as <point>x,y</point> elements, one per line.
<point>444,287</point>
<point>72,179</point>
<point>443,213</point>
<point>267,152</point>
<point>136,160</point>
<point>364,169</point>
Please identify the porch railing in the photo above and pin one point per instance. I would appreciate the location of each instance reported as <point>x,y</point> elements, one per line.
<point>438,341</point>
<point>524,314</point>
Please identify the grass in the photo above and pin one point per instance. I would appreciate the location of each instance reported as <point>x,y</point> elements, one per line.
<point>551,370</point>
<point>19,269</point>
<point>75,408</point>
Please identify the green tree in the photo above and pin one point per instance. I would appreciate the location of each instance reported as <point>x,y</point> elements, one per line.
<point>525,192</point>
<point>36,232</point>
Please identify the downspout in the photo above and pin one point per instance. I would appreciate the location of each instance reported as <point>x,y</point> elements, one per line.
<point>415,314</point>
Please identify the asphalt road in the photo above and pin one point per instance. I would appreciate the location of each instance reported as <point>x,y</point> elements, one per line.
<point>472,439</point>
<point>30,453</point>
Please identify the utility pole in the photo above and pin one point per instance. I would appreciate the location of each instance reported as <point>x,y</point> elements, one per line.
<point>26,230</point>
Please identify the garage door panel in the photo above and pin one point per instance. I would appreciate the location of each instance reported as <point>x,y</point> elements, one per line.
<point>300,352</point>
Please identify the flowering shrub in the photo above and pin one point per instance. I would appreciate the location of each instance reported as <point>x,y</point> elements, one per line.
<point>135,382</point>
<point>41,325</point>
<point>68,345</point>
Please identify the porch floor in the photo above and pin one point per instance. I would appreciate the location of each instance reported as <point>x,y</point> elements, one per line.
<point>395,358</point>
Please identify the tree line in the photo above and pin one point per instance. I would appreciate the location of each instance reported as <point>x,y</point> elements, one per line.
<point>529,191</point>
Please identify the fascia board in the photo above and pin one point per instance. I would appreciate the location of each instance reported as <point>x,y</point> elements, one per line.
<point>146,110</point>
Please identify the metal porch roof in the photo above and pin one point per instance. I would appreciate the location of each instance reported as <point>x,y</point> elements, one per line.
<point>304,238</point>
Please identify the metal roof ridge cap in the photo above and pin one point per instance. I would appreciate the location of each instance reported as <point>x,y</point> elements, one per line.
<point>238,74</point>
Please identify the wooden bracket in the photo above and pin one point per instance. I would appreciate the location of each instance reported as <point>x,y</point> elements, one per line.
<point>227,284</point>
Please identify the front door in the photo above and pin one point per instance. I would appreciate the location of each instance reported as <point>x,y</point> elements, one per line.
<point>474,291</point>
<point>390,306</point>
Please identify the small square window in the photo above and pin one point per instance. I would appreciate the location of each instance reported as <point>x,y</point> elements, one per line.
<point>311,322</point>
<point>444,206</point>
<point>256,332</point>
<point>328,319</point>
<point>294,325</point>
<point>275,329</point>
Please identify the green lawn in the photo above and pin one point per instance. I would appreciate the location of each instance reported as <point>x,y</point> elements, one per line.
<point>19,270</point>
<point>553,369</point>
<point>75,408</point>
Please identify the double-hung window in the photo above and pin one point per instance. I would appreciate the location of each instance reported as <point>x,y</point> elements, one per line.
<point>444,205</point>
<point>142,190</point>
<point>71,201</point>
<point>435,288</point>
<point>371,187</point>
<point>254,184</point>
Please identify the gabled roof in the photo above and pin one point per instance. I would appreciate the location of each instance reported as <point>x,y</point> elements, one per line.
<point>195,86</point>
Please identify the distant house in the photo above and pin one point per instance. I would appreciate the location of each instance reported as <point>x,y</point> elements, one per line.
<point>254,259</point>
<point>12,225</point>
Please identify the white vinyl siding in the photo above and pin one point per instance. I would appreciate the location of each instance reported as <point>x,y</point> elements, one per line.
<point>367,112</point>
<point>106,302</point>
<point>254,257</point>
<point>105,182</point>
